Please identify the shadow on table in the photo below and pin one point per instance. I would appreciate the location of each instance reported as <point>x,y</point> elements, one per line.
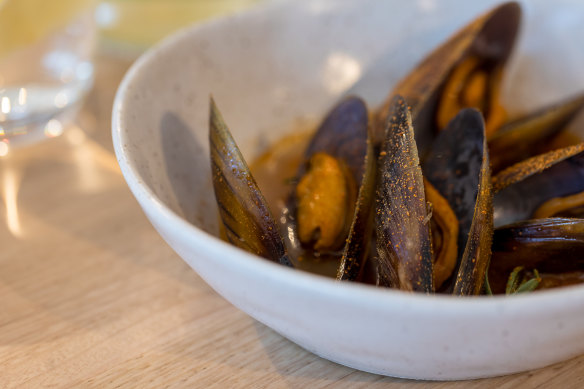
<point>294,363</point>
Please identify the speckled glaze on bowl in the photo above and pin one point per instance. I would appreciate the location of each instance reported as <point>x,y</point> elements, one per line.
<point>274,68</point>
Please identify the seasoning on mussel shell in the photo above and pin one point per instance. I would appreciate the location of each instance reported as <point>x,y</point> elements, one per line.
<point>528,136</point>
<point>464,72</point>
<point>534,165</point>
<point>404,247</point>
<point>524,187</point>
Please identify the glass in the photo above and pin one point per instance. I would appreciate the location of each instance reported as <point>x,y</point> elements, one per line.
<point>46,49</point>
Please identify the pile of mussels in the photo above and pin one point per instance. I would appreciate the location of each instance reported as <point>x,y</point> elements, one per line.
<point>437,191</point>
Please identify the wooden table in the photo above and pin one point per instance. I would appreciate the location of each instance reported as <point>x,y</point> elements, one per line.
<point>91,296</point>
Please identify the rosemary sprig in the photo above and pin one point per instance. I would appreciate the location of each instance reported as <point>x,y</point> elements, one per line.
<point>517,283</point>
<point>530,285</point>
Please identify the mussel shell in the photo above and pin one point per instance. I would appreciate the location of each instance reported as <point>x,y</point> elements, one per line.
<point>527,136</point>
<point>491,37</point>
<point>525,186</point>
<point>453,166</point>
<point>357,248</point>
<point>404,251</point>
<point>343,134</point>
<point>534,165</point>
<point>458,167</point>
<point>552,245</point>
<point>243,209</point>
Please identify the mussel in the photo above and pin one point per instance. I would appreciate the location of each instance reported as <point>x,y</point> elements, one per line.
<point>467,72</point>
<point>402,219</point>
<point>322,202</point>
<point>552,246</point>
<point>458,166</point>
<point>247,219</point>
<point>464,72</point>
<point>525,187</point>
<point>528,136</point>
<point>442,191</point>
<point>328,208</point>
<point>327,217</point>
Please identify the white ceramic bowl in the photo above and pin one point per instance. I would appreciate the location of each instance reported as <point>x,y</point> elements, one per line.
<point>290,61</point>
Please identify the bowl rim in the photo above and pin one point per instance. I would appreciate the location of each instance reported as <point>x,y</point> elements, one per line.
<point>241,261</point>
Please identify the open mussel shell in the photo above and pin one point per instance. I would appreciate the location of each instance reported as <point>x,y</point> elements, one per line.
<point>458,167</point>
<point>528,136</point>
<point>402,221</point>
<point>343,134</point>
<point>525,186</point>
<point>343,141</point>
<point>247,220</point>
<point>489,38</point>
<point>551,245</point>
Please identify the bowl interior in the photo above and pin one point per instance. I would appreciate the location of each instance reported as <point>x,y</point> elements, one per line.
<point>273,70</point>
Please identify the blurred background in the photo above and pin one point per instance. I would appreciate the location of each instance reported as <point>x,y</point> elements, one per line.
<point>53,52</point>
<point>130,26</point>
<point>61,62</point>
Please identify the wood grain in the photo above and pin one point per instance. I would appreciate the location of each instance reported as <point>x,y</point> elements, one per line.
<point>91,297</point>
